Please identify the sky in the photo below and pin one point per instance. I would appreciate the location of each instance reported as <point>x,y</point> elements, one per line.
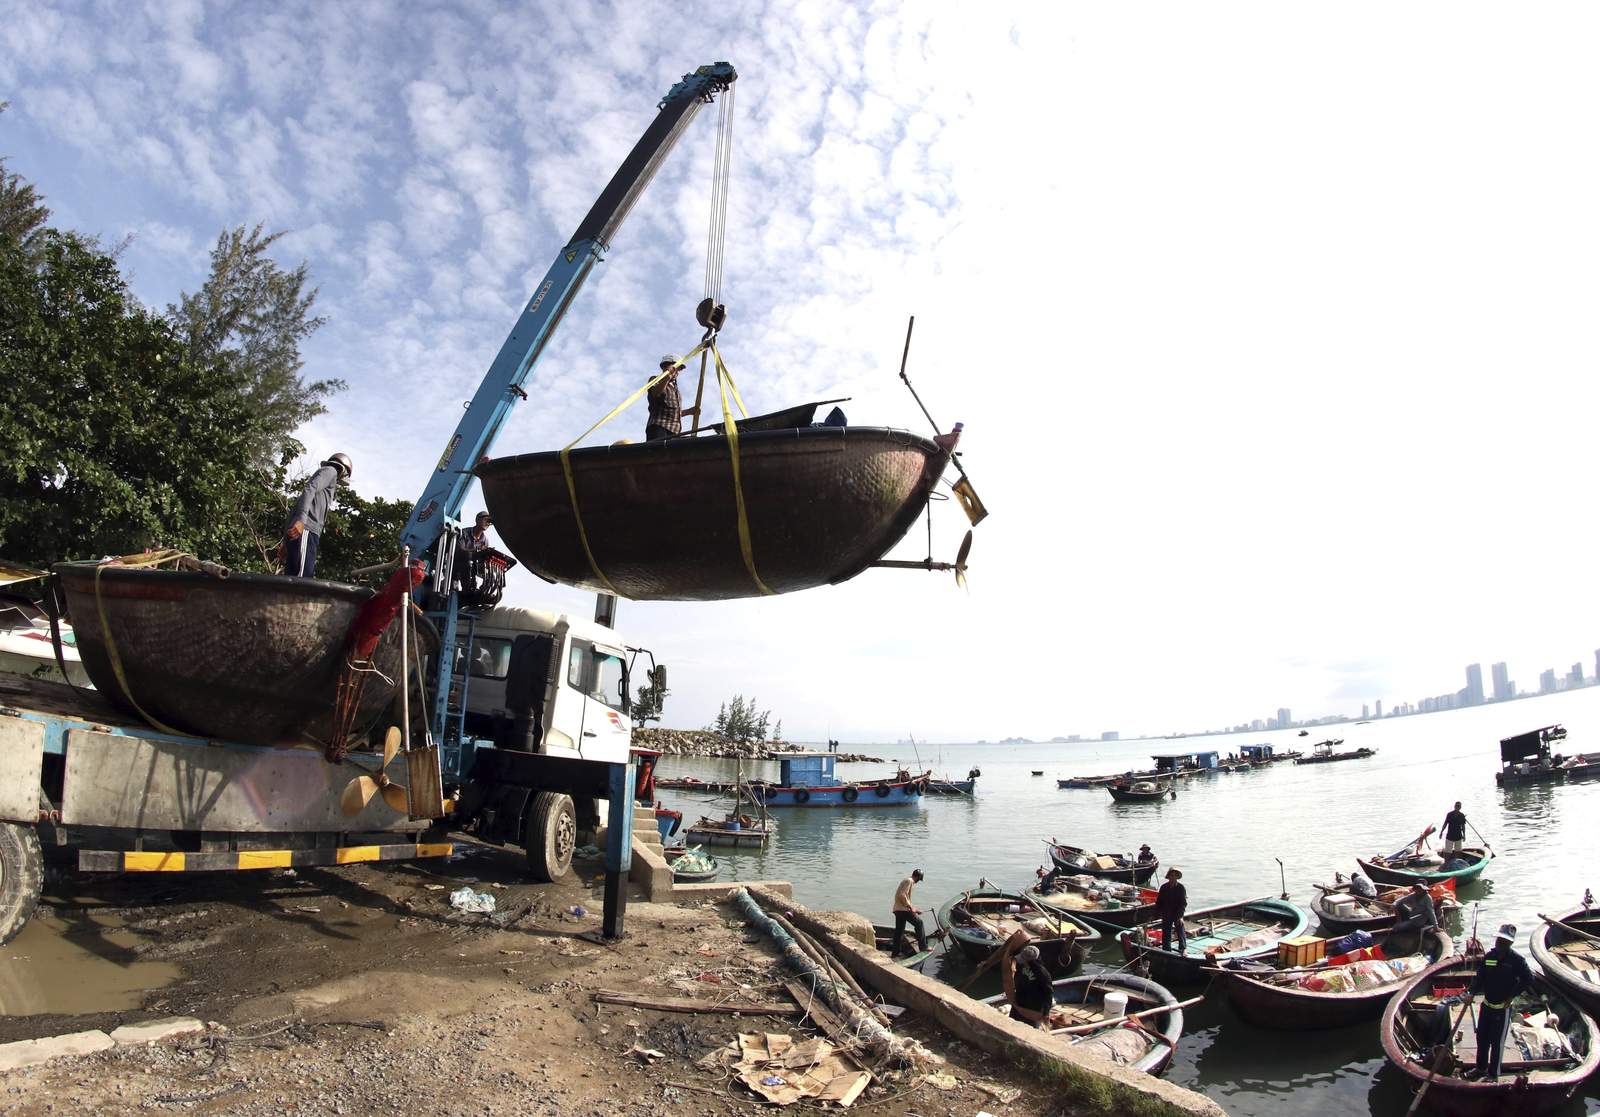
<point>1271,326</point>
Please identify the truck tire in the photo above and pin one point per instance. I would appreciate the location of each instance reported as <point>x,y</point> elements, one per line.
<point>550,835</point>
<point>21,877</point>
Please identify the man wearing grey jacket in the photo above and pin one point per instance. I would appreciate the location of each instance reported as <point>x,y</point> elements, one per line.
<point>299,546</point>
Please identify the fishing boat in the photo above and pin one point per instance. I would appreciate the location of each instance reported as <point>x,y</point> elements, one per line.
<point>883,938</point>
<point>1145,1045</point>
<point>1568,950</point>
<point>27,648</point>
<point>1526,758</point>
<point>954,787</point>
<point>1140,791</point>
<point>1103,903</point>
<point>1081,782</point>
<point>250,658</point>
<point>1583,766</point>
<point>1342,911</point>
<point>671,520</point>
<point>1323,752</point>
<point>808,779</point>
<point>1346,986</point>
<point>1250,929</point>
<point>692,865</point>
<point>1414,864</point>
<point>980,922</point>
<point>1038,771</point>
<point>1107,866</point>
<point>1551,1046</point>
<point>738,830</point>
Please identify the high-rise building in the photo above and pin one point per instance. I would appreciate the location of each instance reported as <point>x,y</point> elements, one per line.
<point>1474,692</point>
<point>1575,676</point>
<point>1284,721</point>
<point>1109,735</point>
<point>1502,681</point>
<point>1547,681</point>
<point>1377,709</point>
<point>1365,711</point>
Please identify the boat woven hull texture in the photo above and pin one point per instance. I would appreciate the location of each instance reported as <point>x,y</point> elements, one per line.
<point>661,518</point>
<point>251,658</point>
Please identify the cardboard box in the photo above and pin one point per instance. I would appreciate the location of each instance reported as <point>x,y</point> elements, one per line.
<point>1306,950</point>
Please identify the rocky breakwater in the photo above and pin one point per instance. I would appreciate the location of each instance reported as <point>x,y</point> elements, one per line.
<point>702,742</point>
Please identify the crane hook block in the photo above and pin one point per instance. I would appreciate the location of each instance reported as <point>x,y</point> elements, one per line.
<point>711,314</point>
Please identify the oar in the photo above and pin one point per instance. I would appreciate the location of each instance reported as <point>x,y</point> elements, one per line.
<point>990,962</point>
<point>1569,928</point>
<point>1481,838</point>
<point>1114,1021</point>
<point>1446,1051</point>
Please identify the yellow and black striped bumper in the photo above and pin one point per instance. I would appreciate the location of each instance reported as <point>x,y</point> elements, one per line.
<point>120,861</point>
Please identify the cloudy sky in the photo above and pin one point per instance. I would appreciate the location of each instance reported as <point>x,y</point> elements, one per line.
<point>1272,326</point>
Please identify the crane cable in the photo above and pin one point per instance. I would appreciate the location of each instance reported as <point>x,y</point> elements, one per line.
<point>721,164</point>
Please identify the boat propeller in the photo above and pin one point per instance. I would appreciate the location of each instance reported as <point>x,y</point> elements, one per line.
<point>959,566</point>
<point>359,791</point>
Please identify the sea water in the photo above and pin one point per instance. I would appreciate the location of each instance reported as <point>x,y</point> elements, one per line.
<point>1228,833</point>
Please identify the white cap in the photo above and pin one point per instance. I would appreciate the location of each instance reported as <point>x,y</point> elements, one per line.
<point>669,359</point>
<point>1507,931</point>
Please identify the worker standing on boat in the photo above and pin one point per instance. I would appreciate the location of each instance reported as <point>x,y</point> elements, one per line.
<point>1502,975</point>
<point>1033,989</point>
<point>299,547</point>
<point>666,403</point>
<point>1455,829</point>
<point>907,914</point>
<point>1172,901</point>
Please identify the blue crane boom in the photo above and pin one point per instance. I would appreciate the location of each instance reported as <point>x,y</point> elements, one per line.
<point>501,388</point>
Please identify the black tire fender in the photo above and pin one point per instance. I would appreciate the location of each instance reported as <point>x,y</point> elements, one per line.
<point>851,795</point>
<point>802,796</point>
<point>883,791</point>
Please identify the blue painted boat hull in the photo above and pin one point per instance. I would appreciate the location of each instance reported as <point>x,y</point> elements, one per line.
<point>903,794</point>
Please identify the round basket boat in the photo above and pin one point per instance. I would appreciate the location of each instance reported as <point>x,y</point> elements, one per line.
<point>661,518</point>
<point>252,658</point>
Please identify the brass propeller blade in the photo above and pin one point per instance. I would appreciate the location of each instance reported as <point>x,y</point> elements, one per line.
<point>357,794</point>
<point>397,799</point>
<point>961,577</point>
<point>961,560</point>
<point>391,744</point>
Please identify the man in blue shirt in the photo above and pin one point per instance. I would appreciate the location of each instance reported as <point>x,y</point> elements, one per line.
<point>1502,975</point>
<point>310,515</point>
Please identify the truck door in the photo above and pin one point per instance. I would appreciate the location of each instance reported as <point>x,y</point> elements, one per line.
<point>604,684</point>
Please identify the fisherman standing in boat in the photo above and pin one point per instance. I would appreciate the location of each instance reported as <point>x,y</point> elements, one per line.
<point>299,547</point>
<point>1172,901</point>
<point>666,403</point>
<point>1502,975</point>
<point>1145,856</point>
<point>907,914</point>
<point>1455,830</point>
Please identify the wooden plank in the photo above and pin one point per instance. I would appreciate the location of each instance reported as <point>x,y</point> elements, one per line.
<point>813,1005</point>
<point>691,1004</point>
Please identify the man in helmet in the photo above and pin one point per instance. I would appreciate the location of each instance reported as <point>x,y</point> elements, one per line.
<point>666,405</point>
<point>299,547</point>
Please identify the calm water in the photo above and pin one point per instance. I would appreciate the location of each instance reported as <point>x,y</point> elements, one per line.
<point>1225,832</point>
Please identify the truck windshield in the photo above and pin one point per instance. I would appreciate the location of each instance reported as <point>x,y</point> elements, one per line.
<point>491,658</point>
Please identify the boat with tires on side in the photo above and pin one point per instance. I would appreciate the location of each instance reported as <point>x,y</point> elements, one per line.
<point>808,780</point>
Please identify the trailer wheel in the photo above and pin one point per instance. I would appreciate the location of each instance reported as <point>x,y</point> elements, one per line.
<point>550,836</point>
<point>21,877</point>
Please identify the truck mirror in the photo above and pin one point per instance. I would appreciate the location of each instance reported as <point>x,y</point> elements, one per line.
<point>658,678</point>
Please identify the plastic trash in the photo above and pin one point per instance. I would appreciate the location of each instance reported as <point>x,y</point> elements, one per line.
<point>465,899</point>
<point>578,910</point>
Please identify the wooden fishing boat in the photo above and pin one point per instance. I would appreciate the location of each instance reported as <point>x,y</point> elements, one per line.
<point>249,658</point>
<point>883,938</point>
<point>1107,866</point>
<point>1323,753</point>
<point>1038,771</point>
<point>1339,990</point>
<point>1081,782</point>
<point>1081,1000</point>
<point>1250,929</point>
<point>661,518</point>
<point>1583,766</point>
<point>1436,1043</point>
<point>1526,758</point>
<point>1570,959</point>
<point>980,922</point>
<point>1139,791</point>
<point>1342,911</point>
<point>950,787</point>
<point>1102,903</point>
<point>809,780</point>
<point>740,832</point>
<point>1409,866</point>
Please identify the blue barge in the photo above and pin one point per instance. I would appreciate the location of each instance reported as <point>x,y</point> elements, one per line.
<point>807,780</point>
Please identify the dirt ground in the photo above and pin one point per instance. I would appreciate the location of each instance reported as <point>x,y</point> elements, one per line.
<point>360,991</point>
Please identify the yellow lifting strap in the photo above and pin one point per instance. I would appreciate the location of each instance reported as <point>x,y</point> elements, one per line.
<point>153,558</point>
<point>725,384</point>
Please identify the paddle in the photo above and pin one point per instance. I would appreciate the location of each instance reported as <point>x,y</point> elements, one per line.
<point>990,962</point>
<point>1446,1051</point>
<point>1569,928</point>
<point>1481,838</point>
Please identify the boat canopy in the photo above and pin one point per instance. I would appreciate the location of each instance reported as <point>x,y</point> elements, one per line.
<point>1526,746</point>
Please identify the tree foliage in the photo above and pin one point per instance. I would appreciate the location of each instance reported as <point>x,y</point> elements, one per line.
<point>739,720</point>
<point>23,213</point>
<point>647,706</point>
<point>248,320</point>
<point>359,532</point>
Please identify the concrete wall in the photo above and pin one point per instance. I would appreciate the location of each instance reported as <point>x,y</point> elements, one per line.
<point>980,1025</point>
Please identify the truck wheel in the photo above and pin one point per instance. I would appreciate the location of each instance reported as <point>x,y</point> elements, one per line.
<point>550,836</point>
<point>21,877</point>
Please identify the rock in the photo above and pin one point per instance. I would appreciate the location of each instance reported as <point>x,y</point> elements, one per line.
<point>28,1052</point>
<point>152,1030</point>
